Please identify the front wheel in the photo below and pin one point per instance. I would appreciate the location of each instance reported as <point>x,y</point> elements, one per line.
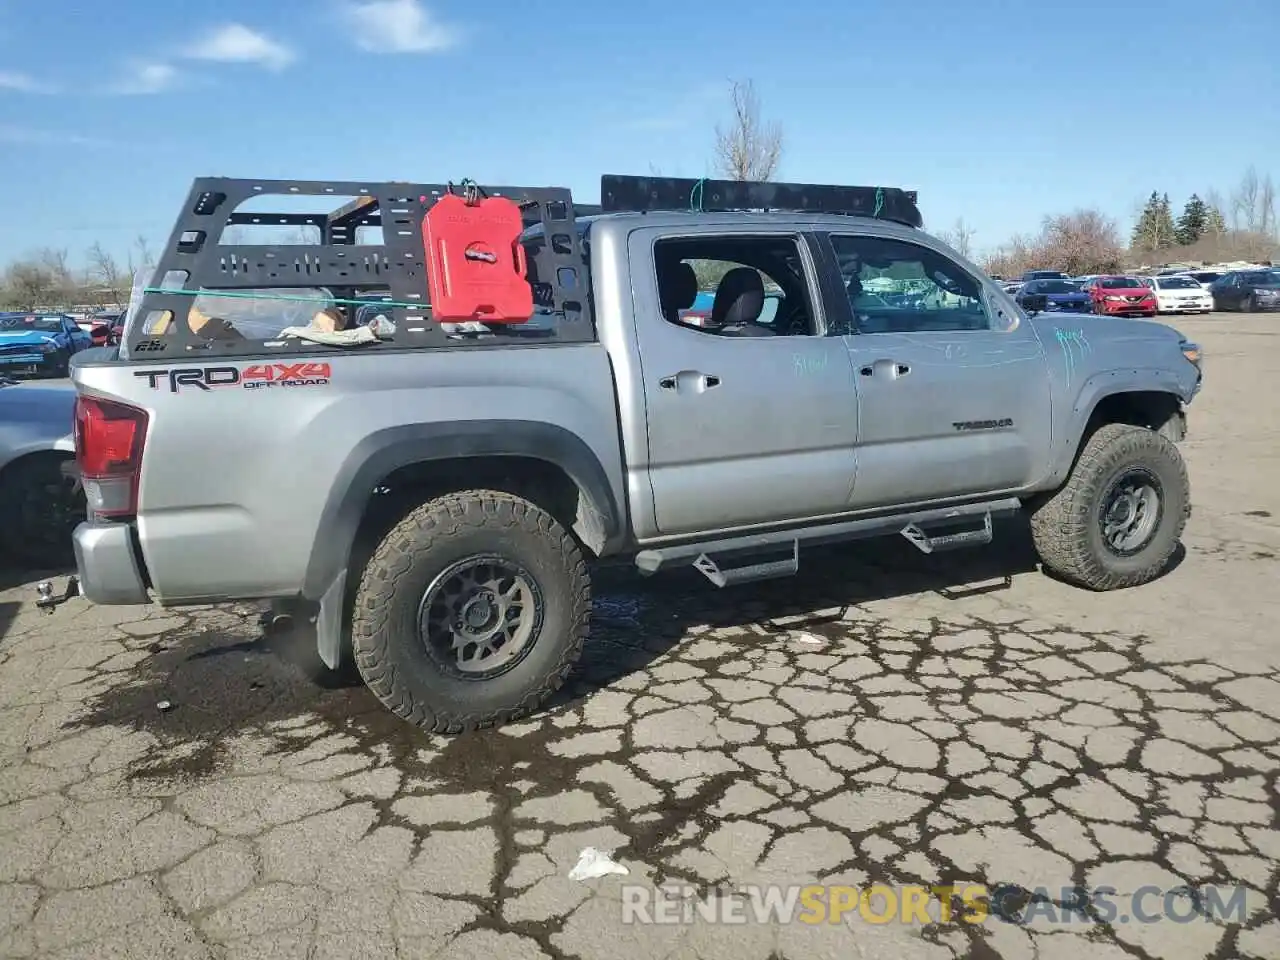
<point>471,612</point>
<point>1117,520</point>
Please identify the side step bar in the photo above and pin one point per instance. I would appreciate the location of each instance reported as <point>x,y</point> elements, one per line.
<point>914,526</point>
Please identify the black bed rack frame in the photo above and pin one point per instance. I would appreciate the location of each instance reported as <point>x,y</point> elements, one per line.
<point>195,259</point>
<point>397,266</point>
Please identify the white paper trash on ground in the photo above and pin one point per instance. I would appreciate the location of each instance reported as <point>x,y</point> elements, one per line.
<point>593,863</point>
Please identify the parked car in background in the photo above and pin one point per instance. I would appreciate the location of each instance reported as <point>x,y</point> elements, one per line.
<point>1044,275</point>
<point>1059,295</point>
<point>1203,277</point>
<point>1247,290</point>
<point>1179,294</point>
<point>1121,296</point>
<point>40,342</point>
<point>41,499</point>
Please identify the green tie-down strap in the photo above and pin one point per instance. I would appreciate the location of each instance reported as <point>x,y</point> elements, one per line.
<point>250,295</point>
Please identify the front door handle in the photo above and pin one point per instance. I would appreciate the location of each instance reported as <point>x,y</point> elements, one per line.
<point>686,380</point>
<point>886,368</point>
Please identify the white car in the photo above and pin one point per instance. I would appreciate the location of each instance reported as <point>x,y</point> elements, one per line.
<point>1180,293</point>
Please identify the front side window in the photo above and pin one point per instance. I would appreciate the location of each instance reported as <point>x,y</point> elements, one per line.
<point>899,287</point>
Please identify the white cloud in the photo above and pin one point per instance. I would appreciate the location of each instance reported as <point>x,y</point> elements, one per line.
<point>398,26</point>
<point>236,43</point>
<point>30,136</point>
<point>22,83</point>
<point>145,78</point>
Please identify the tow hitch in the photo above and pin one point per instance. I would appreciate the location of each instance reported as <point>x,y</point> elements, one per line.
<point>47,601</point>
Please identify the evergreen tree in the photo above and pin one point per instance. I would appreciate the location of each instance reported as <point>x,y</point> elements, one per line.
<point>1154,229</point>
<point>1191,225</point>
<point>1167,231</point>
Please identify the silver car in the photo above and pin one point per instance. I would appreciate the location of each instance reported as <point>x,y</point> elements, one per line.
<point>41,500</point>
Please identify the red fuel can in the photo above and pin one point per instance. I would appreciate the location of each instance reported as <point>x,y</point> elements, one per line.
<point>476,266</point>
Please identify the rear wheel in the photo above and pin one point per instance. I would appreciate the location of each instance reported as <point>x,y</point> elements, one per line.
<point>40,507</point>
<point>471,612</point>
<point>1117,520</point>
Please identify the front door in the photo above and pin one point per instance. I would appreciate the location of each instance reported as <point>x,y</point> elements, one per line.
<point>752,413</point>
<point>953,386</point>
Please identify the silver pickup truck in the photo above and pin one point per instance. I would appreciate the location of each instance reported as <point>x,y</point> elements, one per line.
<point>432,491</point>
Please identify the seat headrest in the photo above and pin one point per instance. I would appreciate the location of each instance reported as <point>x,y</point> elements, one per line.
<point>739,298</point>
<point>678,287</point>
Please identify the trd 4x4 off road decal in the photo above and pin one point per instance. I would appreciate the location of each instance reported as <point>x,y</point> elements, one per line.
<point>254,377</point>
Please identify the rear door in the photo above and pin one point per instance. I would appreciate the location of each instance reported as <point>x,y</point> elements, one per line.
<point>742,430</point>
<point>953,385</point>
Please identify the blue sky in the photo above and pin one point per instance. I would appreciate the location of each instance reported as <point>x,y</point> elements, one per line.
<point>998,112</point>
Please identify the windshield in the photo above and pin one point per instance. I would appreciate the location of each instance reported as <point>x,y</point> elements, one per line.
<point>27,323</point>
<point>1264,277</point>
<point>1119,283</point>
<point>1206,276</point>
<point>1177,283</point>
<point>1055,286</point>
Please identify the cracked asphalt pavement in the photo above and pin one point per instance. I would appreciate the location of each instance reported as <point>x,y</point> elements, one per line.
<point>173,784</point>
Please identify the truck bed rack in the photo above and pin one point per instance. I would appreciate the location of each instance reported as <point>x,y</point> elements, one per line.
<point>198,259</point>
<point>619,194</point>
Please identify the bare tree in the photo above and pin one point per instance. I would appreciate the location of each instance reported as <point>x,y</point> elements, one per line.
<point>30,285</point>
<point>959,238</point>
<point>141,257</point>
<point>750,148</point>
<point>1086,241</point>
<point>106,278</point>
<point>1244,202</point>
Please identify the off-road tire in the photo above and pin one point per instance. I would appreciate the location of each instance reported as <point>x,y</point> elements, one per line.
<point>1065,527</point>
<point>39,508</point>
<point>394,662</point>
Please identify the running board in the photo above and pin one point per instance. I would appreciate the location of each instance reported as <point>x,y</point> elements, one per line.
<point>702,554</point>
<point>767,570</point>
<point>948,541</point>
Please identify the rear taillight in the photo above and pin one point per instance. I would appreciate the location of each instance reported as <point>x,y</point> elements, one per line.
<point>109,438</point>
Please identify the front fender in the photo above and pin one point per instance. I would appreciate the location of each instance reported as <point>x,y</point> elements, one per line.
<point>1109,383</point>
<point>381,453</point>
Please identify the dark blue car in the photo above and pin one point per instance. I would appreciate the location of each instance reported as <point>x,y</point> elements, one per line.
<point>40,342</point>
<point>1062,295</point>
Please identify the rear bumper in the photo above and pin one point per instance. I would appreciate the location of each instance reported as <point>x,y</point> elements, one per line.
<point>107,564</point>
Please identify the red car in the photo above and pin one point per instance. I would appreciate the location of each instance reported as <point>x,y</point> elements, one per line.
<point>1122,296</point>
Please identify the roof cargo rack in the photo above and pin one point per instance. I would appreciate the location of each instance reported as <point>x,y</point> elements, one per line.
<point>630,194</point>
<point>203,258</point>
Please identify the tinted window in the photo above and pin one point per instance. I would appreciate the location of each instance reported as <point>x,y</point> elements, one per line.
<point>1119,283</point>
<point>1258,277</point>
<point>1054,286</point>
<point>1206,276</point>
<point>899,287</point>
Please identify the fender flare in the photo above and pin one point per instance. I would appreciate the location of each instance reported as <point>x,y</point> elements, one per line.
<point>385,451</point>
<point>1094,391</point>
